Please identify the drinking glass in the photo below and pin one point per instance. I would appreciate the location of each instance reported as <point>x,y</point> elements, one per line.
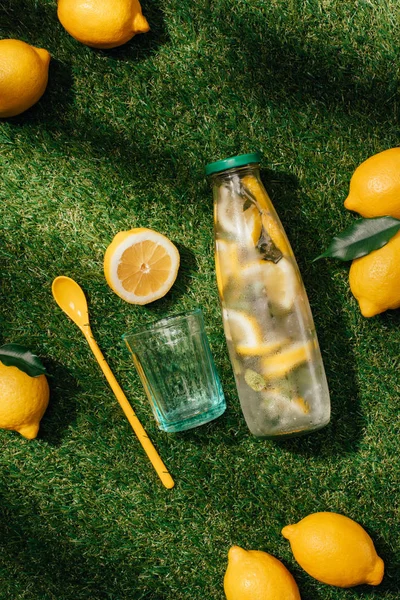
<point>177,370</point>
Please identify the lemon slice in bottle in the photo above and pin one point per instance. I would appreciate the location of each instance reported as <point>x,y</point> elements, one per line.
<point>279,365</point>
<point>262,349</point>
<point>280,280</point>
<point>301,404</point>
<point>233,220</point>
<point>289,393</point>
<point>274,231</point>
<point>246,335</point>
<point>243,329</point>
<point>226,263</point>
<point>255,189</point>
<point>281,283</point>
<point>269,222</point>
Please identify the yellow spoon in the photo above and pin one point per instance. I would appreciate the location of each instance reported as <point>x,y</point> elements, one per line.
<point>71,299</point>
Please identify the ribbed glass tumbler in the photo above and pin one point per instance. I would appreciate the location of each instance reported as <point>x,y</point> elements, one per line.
<point>177,370</point>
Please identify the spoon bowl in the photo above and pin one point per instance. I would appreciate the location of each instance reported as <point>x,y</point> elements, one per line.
<point>70,298</point>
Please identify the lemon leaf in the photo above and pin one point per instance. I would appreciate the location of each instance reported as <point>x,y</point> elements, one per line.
<point>361,238</point>
<point>15,355</point>
<point>247,203</point>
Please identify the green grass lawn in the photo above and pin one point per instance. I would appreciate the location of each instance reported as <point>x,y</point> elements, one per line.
<point>120,140</point>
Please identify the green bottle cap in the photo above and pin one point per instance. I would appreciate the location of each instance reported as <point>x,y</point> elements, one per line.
<point>233,162</point>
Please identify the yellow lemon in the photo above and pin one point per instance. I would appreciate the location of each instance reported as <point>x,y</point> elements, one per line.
<point>375,186</point>
<point>141,265</point>
<point>256,575</point>
<point>374,279</point>
<point>23,76</point>
<point>335,550</point>
<point>102,23</point>
<point>23,401</point>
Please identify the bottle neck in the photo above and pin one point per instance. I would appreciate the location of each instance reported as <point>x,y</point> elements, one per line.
<point>240,172</point>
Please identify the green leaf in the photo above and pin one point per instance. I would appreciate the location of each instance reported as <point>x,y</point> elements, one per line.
<point>15,355</point>
<point>247,203</point>
<point>361,238</point>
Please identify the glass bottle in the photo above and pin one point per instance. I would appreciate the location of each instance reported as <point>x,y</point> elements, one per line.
<point>267,318</point>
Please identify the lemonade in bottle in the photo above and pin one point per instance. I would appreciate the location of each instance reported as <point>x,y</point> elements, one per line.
<point>267,319</point>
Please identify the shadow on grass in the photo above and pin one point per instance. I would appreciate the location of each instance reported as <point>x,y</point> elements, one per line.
<point>62,409</point>
<point>37,556</point>
<point>201,435</point>
<point>30,21</point>
<point>344,432</point>
<point>284,62</point>
<point>187,269</point>
<point>277,65</point>
<point>305,583</point>
<point>82,137</point>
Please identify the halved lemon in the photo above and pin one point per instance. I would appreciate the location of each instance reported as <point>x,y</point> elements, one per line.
<point>141,265</point>
<point>243,328</point>
<point>239,223</point>
<point>284,362</point>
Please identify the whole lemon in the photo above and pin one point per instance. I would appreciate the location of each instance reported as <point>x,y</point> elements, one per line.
<point>23,76</point>
<point>375,186</point>
<point>23,400</point>
<point>256,575</point>
<point>102,23</point>
<point>374,279</point>
<point>335,550</point>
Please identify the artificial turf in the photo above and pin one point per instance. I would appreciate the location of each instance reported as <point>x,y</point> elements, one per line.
<point>120,140</point>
